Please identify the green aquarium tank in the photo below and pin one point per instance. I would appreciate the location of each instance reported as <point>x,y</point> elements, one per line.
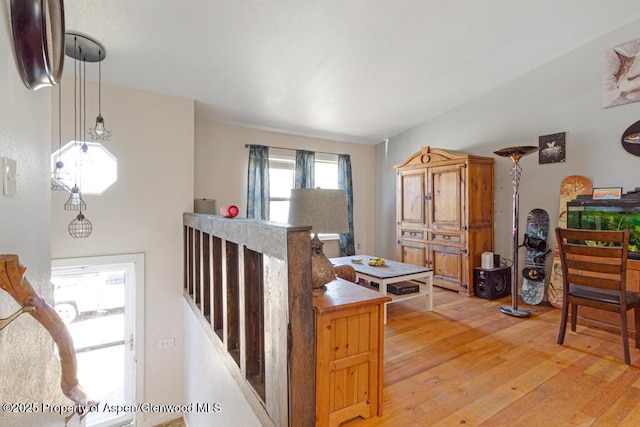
<point>608,214</point>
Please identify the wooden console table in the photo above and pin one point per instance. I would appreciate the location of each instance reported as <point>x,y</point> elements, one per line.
<point>349,352</point>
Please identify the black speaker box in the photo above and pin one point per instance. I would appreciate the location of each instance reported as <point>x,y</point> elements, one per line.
<point>492,284</point>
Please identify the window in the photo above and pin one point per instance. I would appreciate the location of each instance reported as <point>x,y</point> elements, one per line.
<point>281,181</point>
<point>94,170</point>
<point>282,165</point>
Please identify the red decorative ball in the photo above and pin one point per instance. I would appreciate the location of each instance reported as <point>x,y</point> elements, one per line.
<point>229,211</point>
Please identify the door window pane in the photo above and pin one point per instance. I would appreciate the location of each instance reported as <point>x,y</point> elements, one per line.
<point>96,303</point>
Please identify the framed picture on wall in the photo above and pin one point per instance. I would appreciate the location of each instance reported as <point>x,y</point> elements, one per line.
<point>552,148</point>
<point>621,68</point>
<point>607,193</point>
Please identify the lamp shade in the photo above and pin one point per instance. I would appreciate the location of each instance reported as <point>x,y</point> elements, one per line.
<point>324,210</point>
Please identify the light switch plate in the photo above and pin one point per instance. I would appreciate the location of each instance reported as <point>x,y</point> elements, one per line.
<point>9,187</point>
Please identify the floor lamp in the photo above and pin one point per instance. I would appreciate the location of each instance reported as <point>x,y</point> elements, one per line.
<point>515,153</point>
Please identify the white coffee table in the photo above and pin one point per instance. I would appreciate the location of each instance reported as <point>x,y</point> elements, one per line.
<point>391,272</point>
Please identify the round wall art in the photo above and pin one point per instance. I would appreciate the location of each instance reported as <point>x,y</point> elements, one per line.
<point>631,139</point>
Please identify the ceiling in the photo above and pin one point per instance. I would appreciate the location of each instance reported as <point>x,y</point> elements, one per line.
<point>351,70</point>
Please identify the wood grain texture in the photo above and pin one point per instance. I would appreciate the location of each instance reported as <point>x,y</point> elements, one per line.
<point>348,356</point>
<point>254,277</point>
<point>466,363</point>
<point>444,214</point>
<point>300,357</point>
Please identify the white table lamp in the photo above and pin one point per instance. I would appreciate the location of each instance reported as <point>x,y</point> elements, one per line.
<point>326,212</point>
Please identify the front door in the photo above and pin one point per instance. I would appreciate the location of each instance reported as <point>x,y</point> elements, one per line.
<point>96,297</point>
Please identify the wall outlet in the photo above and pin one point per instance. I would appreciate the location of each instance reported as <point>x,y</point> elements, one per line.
<point>166,343</point>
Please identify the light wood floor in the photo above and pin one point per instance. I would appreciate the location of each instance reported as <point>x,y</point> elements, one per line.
<point>466,363</point>
<point>178,422</point>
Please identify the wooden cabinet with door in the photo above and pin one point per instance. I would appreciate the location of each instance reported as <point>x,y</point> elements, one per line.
<point>445,214</point>
<point>349,352</point>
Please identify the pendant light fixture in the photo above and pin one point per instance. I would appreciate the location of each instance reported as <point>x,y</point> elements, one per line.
<point>83,118</point>
<point>82,49</point>
<point>59,174</point>
<point>99,133</point>
<point>75,201</point>
<point>80,227</point>
<point>85,49</point>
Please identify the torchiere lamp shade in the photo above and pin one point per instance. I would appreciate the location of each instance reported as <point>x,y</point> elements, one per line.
<point>515,153</point>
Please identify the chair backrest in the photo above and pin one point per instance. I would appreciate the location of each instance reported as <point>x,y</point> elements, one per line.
<point>594,258</point>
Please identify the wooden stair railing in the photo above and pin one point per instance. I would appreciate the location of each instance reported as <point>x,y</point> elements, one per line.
<point>249,282</point>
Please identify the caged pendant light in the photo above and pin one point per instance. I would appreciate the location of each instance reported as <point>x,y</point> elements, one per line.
<point>59,174</point>
<point>80,227</point>
<point>98,132</point>
<point>75,201</point>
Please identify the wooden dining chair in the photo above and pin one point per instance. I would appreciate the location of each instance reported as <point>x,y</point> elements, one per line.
<point>594,268</point>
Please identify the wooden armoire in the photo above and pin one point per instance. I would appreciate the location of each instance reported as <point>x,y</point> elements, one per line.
<point>445,214</point>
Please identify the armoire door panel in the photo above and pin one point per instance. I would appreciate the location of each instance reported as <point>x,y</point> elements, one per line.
<point>412,254</point>
<point>412,205</point>
<point>444,197</point>
<point>447,266</point>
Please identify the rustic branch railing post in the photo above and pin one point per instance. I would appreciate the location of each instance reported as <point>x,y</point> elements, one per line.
<point>13,282</point>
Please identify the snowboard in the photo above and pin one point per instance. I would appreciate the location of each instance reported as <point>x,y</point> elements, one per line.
<point>570,188</point>
<point>535,242</point>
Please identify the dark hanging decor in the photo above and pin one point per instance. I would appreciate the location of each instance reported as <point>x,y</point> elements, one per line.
<point>631,139</point>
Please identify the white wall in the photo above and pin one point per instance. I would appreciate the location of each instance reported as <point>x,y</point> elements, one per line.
<point>208,381</point>
<point>141,213</point>
<point>221,161</point>
<point>29,371</point>
<point>562,96</point>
